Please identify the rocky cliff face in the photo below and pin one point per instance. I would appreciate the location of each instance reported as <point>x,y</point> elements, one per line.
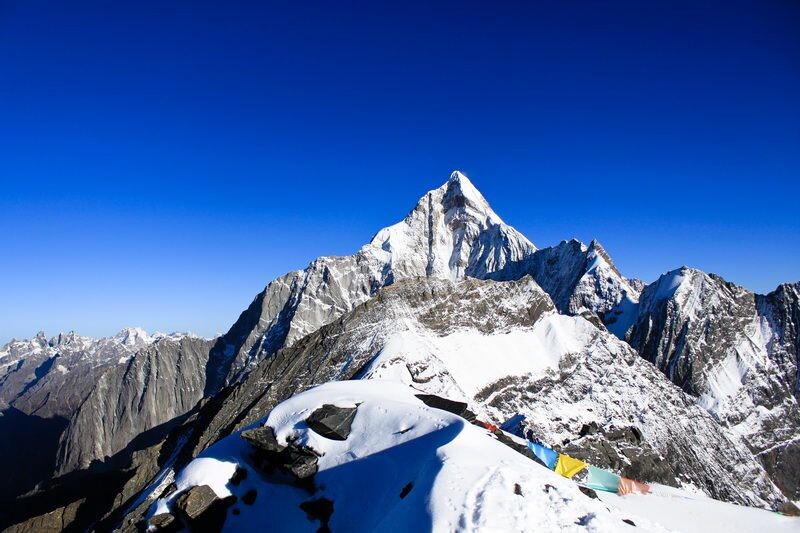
<point>162,381</point>
<point>736,352</point>
<point>47,377</point>
<point>73,400</point>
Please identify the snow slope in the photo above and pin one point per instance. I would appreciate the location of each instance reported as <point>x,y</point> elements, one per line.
<point>529,352</point>
<point>688,512</point>
<point>409,467</point>
<point>461,478</point>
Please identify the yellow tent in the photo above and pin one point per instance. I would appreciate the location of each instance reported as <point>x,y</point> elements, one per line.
<point>568,466</point>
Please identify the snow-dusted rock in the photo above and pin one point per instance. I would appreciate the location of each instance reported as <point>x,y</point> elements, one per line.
<point>581,279</point>
<point>409,467</point>
<point>736,351</point>
<point>503,348</point>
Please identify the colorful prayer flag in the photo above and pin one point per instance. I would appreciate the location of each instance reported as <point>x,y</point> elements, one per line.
<point>569,466</point>
<point>599,479</point>
<point>546,455</point>
<point>629,486</point>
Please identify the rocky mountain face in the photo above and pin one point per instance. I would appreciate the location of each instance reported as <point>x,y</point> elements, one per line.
<point>451,233</point>
<point>75,400</point>
<point>581,280</point>
<point>161,382</point>
<point>30,369</point>
<point>562,372</point>
<point>687,381</point>
<point>736,352</point>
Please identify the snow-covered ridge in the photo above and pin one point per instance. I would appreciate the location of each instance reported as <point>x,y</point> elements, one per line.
<point>128,339</point>
<point>420,468</point>
<point>423,470</point>
<point>581,279</point>
<point>735,351</point>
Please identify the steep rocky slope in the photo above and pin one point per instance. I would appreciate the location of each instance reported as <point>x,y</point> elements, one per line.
<point>73,400</point>
<point>736,351</point>
<point>162,381</point>
<point>37,370</point>
<point>504,349</point>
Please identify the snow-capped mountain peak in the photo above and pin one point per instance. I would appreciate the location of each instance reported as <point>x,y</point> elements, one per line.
<point>450,301</point>
<point>133,337</point>
<point>598,257</point>
<point>451,233</point>
<point>458,193</point>
<point>455,231</point>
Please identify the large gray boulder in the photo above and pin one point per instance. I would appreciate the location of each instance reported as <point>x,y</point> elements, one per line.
<point>332,422</point>
<point>202,510</point>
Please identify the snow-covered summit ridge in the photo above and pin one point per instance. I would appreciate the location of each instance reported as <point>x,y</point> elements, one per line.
<point>422,469</point>
<point>452,227</point>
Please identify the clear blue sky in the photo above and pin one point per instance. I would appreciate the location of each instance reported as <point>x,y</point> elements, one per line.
<point>162,161</point>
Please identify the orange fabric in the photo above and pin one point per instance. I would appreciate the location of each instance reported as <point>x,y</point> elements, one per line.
<point>490,427</point>
<point>629,486</point>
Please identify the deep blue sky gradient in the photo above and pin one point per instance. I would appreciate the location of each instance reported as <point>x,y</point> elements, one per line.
<point>162,161</point>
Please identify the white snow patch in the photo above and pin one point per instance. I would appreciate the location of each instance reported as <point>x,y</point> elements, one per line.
<point>476,360</point>
<point>668,284</point>
<point>684,511</point>
<point>624,316</point>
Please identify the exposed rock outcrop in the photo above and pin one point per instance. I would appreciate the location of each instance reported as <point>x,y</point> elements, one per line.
<point>87,399</point>
<point>737,352</point>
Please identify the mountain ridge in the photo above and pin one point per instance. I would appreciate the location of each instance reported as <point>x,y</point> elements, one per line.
<point>450,236</point>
